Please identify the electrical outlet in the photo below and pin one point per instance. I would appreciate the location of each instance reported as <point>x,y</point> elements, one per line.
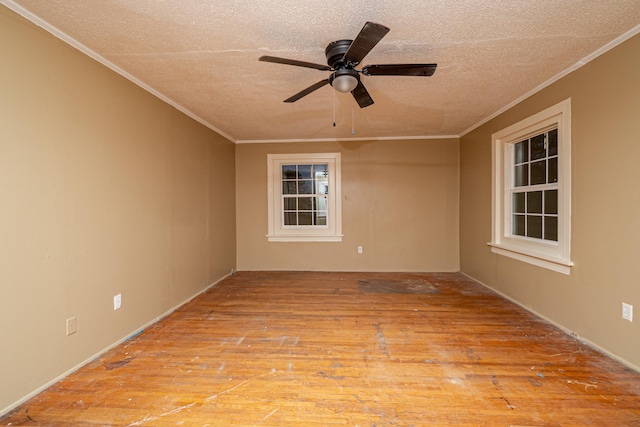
<point>72,325</point>
<point>627,312</point>
<point>359,249</point>
<point>117,301</point>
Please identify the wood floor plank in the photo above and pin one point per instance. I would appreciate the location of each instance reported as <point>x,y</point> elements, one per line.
<point>327,349</point>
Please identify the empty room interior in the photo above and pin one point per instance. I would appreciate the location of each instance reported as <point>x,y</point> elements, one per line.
<point>450,238</point>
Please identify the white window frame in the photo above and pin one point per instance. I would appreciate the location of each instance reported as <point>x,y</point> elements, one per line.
<point>277,231</point>
<point>554,256</point>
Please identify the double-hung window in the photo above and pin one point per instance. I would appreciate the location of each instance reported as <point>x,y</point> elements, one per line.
<point>304,197</point>
<point>534,186</point>
<point>532,189</point>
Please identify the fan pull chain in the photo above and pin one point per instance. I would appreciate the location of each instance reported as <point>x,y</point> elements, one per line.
<point>334,108</point>
<point>353,121</point>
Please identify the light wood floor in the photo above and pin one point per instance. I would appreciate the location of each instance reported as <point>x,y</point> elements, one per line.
<point>354,349</point>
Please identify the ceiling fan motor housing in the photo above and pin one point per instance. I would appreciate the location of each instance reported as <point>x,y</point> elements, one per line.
<point>335,53</point>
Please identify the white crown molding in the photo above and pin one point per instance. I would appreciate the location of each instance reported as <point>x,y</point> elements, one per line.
<point>373,138</point>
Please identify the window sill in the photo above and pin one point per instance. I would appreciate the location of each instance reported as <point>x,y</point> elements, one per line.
<point>303,238</point>
<point>550,263</point>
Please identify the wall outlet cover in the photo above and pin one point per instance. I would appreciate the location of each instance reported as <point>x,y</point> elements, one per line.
<point>627,312</point>
<point>72,325</point>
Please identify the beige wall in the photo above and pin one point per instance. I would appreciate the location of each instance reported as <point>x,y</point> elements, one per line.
<point>605,201</point>
<point>104,189</point>
<point>399,201</point>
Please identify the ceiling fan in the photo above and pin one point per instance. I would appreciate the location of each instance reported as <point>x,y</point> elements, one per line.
<point>343,56</point>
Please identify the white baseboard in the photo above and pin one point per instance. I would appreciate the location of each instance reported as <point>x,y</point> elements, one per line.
<point>40,389</point>
<point>561,327</point>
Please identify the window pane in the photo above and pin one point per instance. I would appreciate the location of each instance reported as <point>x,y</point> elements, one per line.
<point>521,175</point>
<point>322,186</point>
<point>518,225</point>
<point>534,226</point>
<point>321,203</point>
<point>305,187</point>
<point>538,150</point>
<point>289,187</point>
<point>289,172</point>
<point>321,218</point>
<point>534,202</point>
<point>551,202</point>
<point>539,172</point>
<point>290,218</point>
<point>290,203</point>
<point>521,152</point>
<point>320,171</point>
<point>304,171</point>
<point>553,170</point>
<point>553,142</point>
<point>304,203</point>
<point>551,228</point>
<point>518,203</point>
<point>304,218</point>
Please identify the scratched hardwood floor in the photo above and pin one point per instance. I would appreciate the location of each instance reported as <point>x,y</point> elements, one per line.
<point>355,349</point>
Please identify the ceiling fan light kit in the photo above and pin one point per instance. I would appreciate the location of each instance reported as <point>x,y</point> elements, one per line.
<point>344,80</point>
<point>343,56</point>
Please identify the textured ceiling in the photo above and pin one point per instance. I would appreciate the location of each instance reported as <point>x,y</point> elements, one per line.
<point>202,57</point>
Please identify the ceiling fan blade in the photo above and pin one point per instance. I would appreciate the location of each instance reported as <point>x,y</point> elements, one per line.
<point>368,37</point>
<point>361,96</point>
<point>400,70</point>
<point>286,61</point>
<point>307,91</point>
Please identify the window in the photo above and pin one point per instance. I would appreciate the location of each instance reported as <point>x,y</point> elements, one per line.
<point>532,189</point>
<point>305,188</point>
<point>304,197</point>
